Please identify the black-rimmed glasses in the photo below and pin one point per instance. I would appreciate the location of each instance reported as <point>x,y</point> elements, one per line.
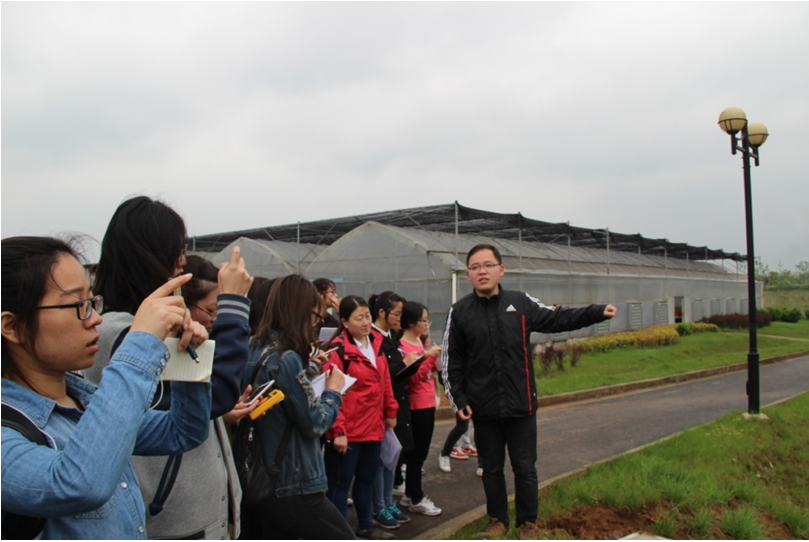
<point>84,308</point>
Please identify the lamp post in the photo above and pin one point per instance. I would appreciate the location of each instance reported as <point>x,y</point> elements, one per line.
<point>733,120</point>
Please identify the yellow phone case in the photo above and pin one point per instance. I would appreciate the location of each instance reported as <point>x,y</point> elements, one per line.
<point>274,397</point>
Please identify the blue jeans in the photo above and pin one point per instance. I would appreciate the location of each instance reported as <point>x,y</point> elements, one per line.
<point>519,436</point>
<point>359,463</point>
<point>383,488</point>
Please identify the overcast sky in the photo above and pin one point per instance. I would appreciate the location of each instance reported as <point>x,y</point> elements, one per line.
<point>242,115</point>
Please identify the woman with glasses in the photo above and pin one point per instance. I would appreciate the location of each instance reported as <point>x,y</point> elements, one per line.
<point>369,408</point>
<point>82,480</point>
<point>144,245</point>
<point>387,311</point>
<point>421,394</point>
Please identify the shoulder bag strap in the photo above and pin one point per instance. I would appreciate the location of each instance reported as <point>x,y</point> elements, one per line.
<point>18,526</point>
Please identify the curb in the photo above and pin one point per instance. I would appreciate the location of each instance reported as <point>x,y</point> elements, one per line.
<point>444,412</point>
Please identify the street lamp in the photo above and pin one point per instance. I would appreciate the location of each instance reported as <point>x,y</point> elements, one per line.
<point>733,120</point>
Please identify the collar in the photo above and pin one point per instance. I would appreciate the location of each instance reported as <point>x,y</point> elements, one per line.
<point>495,297</point>
<point>38,407</point>
<point>381,332</point>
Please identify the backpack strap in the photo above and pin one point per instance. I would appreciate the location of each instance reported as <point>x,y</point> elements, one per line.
<point>18,421</point>
<point>341,351</point>
<point>16,525</point>
<point>167,480</point>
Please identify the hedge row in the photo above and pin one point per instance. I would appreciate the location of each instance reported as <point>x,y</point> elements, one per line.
<point>738,321</point>
<point>779,314</point>
<point>689,328</point>
<point>650,336</point>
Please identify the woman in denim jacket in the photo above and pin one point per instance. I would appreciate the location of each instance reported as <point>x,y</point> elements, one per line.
<point>83,482</point>
<point>299,508</point>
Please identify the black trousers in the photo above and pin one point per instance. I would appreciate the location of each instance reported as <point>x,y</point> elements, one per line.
<point>423,422</point>
<point>307,517</point>
<point>519,437</point>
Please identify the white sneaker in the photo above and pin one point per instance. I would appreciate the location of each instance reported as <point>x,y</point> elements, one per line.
<point>425,507</point>
<point>479,472</point>
<point>405,501</point>
<point>398,491</point>
<point>443,463</point>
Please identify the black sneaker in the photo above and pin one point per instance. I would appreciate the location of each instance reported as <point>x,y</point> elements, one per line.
<point>374,534</point>
<point>384,518</point>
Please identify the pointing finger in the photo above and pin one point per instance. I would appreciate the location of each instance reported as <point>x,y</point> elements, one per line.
<point>170,286</point>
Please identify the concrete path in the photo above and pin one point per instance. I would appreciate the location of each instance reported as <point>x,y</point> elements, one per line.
<point>572,436</point>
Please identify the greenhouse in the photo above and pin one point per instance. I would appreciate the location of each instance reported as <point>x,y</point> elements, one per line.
<point>270,258</point>
<point>420,253</point>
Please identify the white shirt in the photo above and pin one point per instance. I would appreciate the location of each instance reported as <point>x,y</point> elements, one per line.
<point>368,351</point>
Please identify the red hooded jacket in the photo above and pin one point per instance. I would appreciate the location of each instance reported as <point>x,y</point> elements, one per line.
<point>370,401</point>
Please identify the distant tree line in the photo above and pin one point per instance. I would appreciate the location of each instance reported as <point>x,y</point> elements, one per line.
<point>781,278</point>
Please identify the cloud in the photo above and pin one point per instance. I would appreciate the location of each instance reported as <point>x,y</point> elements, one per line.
<point>250,114</point>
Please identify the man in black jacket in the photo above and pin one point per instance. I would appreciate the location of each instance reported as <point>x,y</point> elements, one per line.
<point>489,375</point>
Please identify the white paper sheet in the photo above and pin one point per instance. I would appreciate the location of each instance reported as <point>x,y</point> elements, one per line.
<point>319,383</point>
<point>182,367</point>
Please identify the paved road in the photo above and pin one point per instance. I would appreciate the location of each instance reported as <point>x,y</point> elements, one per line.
<point>575,435</point>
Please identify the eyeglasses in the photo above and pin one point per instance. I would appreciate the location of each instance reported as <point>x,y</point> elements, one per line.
<point>84,308</point>
<point>211,314</point>
<point>488,266</point>
<point>395,314</point>
<point>428,322</point>
<point>317,315</point>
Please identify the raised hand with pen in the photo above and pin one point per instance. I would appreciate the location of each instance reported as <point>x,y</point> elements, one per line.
<point>163,315</point>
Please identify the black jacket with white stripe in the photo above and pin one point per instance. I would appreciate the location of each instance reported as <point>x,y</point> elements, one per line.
<point>487,361</point>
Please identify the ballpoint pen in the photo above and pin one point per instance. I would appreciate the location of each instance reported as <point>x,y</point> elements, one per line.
<point>189,348</point>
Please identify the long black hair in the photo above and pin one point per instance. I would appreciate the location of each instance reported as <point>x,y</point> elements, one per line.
<point>288,316</point>
<point>141,247</point>
<point>27,273</point>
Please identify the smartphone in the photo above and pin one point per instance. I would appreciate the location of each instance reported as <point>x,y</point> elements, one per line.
<point>259,392</point>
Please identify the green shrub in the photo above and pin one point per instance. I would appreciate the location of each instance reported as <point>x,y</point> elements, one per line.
<point>791,316</point>
<point>781,314</point>
<point>704,327</point>
<point>684,328</point>
<point>651,336</point>
<point>776,313</point>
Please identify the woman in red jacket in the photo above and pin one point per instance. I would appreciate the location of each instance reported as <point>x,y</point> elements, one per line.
<point>368,409</point>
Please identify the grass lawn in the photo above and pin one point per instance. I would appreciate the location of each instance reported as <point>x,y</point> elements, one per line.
<point>691,353</point>
<point>799,329</point>
<point>790,299</point>
<point>733,478</point>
